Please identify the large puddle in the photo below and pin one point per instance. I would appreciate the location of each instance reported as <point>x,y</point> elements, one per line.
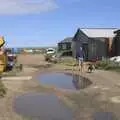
<point>104,116</point>
<point>62,80</point>
<point>42,107</point>
<point>46,106</point>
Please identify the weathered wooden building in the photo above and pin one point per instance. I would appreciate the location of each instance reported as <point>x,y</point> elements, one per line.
<point>97,48</point>
<point>80,40</point>
<point>116,44</point>
<point>96,42</point>
<point>65,44</point>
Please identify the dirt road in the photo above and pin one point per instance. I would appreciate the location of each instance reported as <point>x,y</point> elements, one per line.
<point>16,86</point>
<point>102,96</point>
<point>27,59</point>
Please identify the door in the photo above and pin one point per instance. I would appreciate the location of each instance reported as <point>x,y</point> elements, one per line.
<point>85,50</point>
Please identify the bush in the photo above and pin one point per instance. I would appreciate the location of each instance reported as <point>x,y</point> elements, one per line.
<point>48,57</point>
<point>108,65</point>
<point>102,64</point>
<point>2,89</point>
<point>68,61</point>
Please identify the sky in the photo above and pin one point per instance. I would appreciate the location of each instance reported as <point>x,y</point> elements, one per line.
<point>37,23</point>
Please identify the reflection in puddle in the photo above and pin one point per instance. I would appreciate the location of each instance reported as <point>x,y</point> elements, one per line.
<point>80,83</point>
<point>66,81</point>
<point>104,116</point>
<point>42,107</point>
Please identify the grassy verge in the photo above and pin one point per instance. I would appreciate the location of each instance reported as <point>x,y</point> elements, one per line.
<point>108,65</point>
<point>11,73</point>
<point>2,89</point>
<point>67,62</point>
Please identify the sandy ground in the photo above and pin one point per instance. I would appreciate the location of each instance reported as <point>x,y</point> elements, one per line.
<point>16,87</point>
<point>31,59</point>
<point>102,96</point>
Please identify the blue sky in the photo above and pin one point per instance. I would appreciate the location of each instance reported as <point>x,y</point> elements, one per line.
<point>45,22</point>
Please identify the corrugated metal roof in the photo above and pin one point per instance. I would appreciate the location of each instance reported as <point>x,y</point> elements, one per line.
<point>99,32</point>
<point>66,40</point>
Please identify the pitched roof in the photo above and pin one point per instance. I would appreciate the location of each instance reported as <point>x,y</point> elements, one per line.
<point>117,31</point>
<point>80,36</point>
<point>66,40</point>
<point>99,32</point>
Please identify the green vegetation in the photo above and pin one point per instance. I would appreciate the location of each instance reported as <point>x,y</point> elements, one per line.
<point>2,89</point>
<point>49,58</point>
<point>18,67</point>
<point>108,65</point>
<point>67,61</point>
<point>11,73</point>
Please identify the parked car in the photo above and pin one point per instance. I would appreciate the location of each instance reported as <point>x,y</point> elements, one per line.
<point>50,51</point>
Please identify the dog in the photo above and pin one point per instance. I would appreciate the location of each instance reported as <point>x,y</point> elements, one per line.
<point>91,68</point>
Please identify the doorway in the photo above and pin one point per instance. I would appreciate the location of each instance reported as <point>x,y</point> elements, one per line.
<point>85,50</point>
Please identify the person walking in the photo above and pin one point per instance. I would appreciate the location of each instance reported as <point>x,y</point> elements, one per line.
<point>80,59</point>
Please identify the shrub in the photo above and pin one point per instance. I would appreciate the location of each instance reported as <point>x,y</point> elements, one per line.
<point>102,64</point>
<point>48,57</point>
<point>108,65</point>
<point>67,61</point>
<point>2,89</point>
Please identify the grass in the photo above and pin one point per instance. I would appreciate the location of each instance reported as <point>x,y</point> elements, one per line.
<point>108,65</point>
<point>2,89</point>
<point>67,62</point>
<point>11,73</point>
<point>14,71</point>
<point>49,58</point>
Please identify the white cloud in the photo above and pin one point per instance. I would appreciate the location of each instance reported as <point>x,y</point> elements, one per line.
<point>15,7</point>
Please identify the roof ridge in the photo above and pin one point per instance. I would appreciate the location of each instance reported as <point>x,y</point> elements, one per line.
<point>98,28</point>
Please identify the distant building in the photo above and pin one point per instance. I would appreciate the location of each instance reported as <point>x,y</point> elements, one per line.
<point>116,43</point>
<point>28,51</point>
<point>96,42</point>
<point>65,44</point>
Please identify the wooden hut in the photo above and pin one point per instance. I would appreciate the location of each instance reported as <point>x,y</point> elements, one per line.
<point>96,42</point>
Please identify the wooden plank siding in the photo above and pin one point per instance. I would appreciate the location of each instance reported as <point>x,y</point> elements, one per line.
<point>94,48</point>
<point>64,46</point>
<point>79,39</point>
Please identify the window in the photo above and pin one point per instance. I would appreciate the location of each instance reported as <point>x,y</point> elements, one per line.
<point>64,46</point>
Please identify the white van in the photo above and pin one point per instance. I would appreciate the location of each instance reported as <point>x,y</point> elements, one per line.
<point>50,51</point>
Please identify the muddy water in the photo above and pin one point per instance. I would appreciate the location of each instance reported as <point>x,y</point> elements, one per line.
<point>104,116</point>
<point>42,107</point>
<point>61,80</point>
